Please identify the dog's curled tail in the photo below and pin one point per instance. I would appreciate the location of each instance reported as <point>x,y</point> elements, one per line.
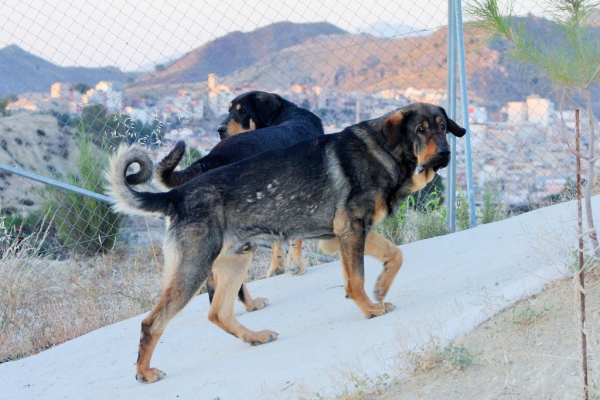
<point>166,176</point>
<point>119,183</point>
<point>165,173</point>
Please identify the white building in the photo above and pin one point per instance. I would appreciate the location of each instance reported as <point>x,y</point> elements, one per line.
<point>477,115</point>
<point>103,93</point>
<point>516,111</point>
<point>540,111</point>
<point>138,114</point>
<point>185,107</point>
<point>61,91</point>
<point>219,96</point>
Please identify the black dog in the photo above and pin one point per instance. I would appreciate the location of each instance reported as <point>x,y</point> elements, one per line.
<point>342,185</point>
<point>268,122</point>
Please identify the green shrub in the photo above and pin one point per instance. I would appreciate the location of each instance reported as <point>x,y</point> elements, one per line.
<point>431,197</point>
<point>17,223</point>
<point>463,217</point>
<point>492,209</point>
<point>458,356</point>
<point>393,228</point>
<point>85,225</point>
<point>524,314</point>
<point>429,225</point>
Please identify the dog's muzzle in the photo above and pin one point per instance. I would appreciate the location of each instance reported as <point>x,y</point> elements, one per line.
<point>440,160</point>
<point>222,129</point>
<point>443,151</point>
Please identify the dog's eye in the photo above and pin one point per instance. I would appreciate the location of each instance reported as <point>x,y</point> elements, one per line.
<point>443,126</point>
<point>420,129</point>
<point>242,111</point>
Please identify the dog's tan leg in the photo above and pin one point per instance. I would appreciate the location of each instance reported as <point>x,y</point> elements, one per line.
<point>391,257</point>
<point>230,270</point>
<point>294,258</point>
<point>383,250</point>
<point>185,272</point>
<point>353,266</point>
<point>250,303</point>
<point>243,294</point>
<point>277,259</point>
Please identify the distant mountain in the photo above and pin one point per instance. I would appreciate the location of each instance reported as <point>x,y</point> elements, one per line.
<point>22,72</point>
<point>234,51</point>
<point>367,63</point>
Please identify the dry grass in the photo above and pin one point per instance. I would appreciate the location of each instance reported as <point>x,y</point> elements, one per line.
<point>46,302</point>
<point>528,351</point>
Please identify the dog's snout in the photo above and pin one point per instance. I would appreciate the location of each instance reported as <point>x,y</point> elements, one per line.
<point>222,130</point>
<point>443,151</point>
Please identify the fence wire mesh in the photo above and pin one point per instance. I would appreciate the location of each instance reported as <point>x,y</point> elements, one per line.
<point>78,78</point>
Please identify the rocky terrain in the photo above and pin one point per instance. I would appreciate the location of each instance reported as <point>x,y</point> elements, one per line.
<point>34,143</point>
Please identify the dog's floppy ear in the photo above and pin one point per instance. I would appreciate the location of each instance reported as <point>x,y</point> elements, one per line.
<point>267,106</point>
<point>391,131</point>
<point>452,126</point>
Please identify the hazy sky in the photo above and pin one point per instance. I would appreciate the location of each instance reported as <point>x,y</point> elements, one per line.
<point>135,33</point>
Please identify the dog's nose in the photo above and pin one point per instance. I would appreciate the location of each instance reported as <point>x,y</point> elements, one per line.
<point>443,151</point>
<point>222,129</point>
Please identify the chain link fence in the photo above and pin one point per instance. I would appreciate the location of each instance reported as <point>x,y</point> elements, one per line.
<point>77,78</point>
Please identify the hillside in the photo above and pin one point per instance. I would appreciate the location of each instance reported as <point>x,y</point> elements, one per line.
<point>337,60</point>
<point>234,51</point>
<point>22,72</point>
<point>367,63</point>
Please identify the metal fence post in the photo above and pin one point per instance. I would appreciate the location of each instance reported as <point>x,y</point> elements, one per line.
<point>465,110</point>
<point>451,109</point>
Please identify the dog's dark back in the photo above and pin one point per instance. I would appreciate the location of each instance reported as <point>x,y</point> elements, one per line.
<point>289,125</point>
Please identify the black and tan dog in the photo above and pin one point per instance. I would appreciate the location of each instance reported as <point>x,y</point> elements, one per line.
<point>268,122</point>
<point>343,184</point>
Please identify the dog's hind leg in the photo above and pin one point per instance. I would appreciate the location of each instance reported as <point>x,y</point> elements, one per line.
<point>277,259</point>
<point>230,269</point>
<point>294,258</point>
<point>243,294</point>
<point>391,257</point>
<point>185,270</point>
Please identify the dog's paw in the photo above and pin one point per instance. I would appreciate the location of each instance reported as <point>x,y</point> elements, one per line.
<point>150,376</point>
<point>257,304</point>
<point>262,337</point>
<point>275,271</point>
<point>297,269</point>
<point>380,309</point>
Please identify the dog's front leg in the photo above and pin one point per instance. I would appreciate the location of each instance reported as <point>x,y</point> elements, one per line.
<point>277,259</point>
<point>391,257</point>
<point>294,258</point>
<point>230,269</point>
<point>380,248</point>
<point>352,255</point>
